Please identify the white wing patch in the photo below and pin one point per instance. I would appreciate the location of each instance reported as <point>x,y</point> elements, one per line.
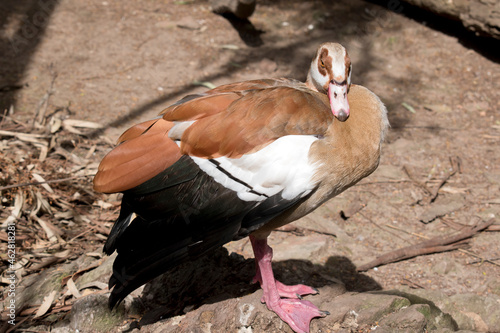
<point>178,129</point>
<point>282,166</point>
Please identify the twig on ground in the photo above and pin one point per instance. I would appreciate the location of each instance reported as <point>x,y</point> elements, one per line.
<point>80,235</point>
<point>392,233</point>
<point>55,309</point>
<point>389,181</point>
<point>39,117</point>
<point>299,231</point>
<point>479,257</point>
<point>431,195</point>
<point>416,181</point>
<point>77,274</point>
<point>45,263</point>
<point>459,226</point>
<point>482,261</point>
<point>453,224</point>
<point>12,328</point>
<point>409,233</point>
<point>433,245</point>
<point>493,227</point>
<point>40,183</point>
<point>291,229</point>
<point>412,284</point>
<point>455,167</point>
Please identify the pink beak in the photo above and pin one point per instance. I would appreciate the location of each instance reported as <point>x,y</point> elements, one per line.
<point>337,94</point>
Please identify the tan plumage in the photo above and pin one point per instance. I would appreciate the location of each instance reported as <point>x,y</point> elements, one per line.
<point>239,160</point>
<point>349,152</point>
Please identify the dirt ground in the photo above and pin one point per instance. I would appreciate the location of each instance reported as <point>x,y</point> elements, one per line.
<point>116,63</point>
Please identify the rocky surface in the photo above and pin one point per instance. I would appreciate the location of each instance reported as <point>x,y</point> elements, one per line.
<point>214,295</point>
<point>480,16</point>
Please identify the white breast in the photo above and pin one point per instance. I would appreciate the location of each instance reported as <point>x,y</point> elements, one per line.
<point>282,166</point>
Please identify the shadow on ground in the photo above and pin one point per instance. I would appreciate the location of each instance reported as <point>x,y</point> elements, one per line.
<point>19,43</point>
<point>221,276</point>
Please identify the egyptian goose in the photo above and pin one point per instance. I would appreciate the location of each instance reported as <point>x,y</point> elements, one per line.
<point>239,160</point>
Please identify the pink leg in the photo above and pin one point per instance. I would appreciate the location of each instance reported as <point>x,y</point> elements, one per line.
<point>295,291</point>
<point>295,312</point>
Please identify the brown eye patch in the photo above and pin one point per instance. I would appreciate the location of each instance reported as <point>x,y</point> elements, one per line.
<point>324,61</point>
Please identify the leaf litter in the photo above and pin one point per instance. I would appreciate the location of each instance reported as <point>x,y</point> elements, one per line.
<point>46,171</point>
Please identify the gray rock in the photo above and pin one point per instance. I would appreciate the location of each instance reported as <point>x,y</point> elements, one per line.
<point>480,16</point>
<point>436,319</point>
<point>91,314</point>
<point>101,273</point>
<point>227,302</point>
<point>349,312</point>
<point>35,287</point>
<point>494,286</point>
<point>367,308</point>
<point>410,319</point>
<point>468,311</point>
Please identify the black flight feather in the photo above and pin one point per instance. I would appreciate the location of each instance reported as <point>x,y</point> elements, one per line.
<point>181,214</point>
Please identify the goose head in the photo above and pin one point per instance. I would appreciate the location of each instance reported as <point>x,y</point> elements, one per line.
<point>330,74</point>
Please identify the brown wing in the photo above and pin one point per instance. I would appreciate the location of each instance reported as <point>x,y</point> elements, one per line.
<point>231,120</point>
<point>145,150</point>
<point>251,116</point>
<point>137,130</point>
<point>193,107</point>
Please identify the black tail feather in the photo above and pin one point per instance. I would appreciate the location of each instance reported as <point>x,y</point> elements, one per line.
<point>181,214</point>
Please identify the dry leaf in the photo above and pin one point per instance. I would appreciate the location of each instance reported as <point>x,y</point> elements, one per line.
<point>71,125</point>
<point>40,179</point>
<point>82,123</point>
<point>47,302</point>
<point>63,254</point>
<point>95,284</point>
<point>41,203</point>
<point>76,275</point>
<point>94,254</point>
<point>50,234</point>
<point>206,84</point>
<point>91,151</point>
<point>44,150</point>
<point>73,289</point>
<point>103,205</point>
<point>24,136</point>
<point>44,263</point>
<point>55,124</point>
<point>230,47</point>
<point>16,212</point>
<point>69,156</point>
<point>454,190</point>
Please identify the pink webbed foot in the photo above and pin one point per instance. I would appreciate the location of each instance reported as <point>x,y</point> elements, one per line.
<point>295,291</point>
<point>297,313</point>
<point>294,311</point>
